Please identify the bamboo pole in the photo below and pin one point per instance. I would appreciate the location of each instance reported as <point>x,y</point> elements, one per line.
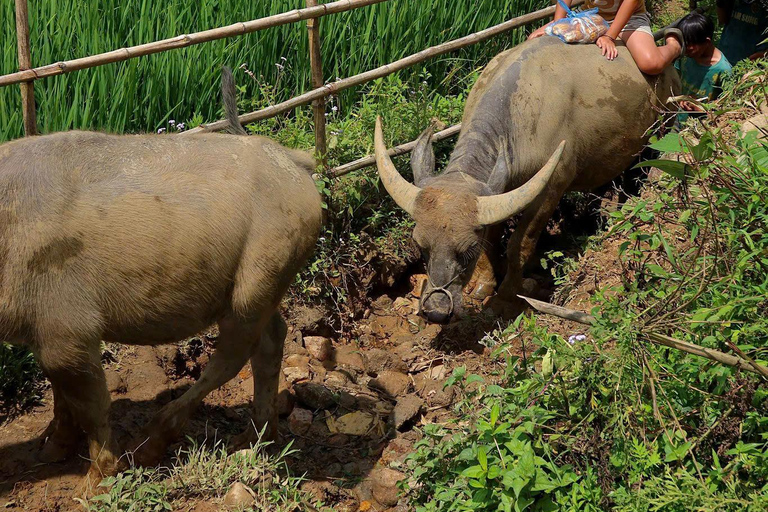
<point>659,339</point>
<point>25,62</point>
<point>396,151</point>
<point>382,71</point>
<point>318,106</point>
<point>185,40</point>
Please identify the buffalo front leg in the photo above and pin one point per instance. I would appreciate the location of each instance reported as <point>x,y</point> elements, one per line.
<point>266,362</point>
<point>488,266</point>
<point>74,369</point>
<point>522,247</point>
<point>237,338</point>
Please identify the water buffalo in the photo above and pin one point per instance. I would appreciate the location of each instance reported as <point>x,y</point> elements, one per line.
<point>526,103</point>
<point>148,239</point>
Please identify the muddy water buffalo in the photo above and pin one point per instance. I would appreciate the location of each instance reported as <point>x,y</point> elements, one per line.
<point>148,239</point>
<point>527,101</point>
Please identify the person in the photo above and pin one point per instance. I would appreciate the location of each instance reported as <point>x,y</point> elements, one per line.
<point>744,25</point>
<point>704,66</point>
<point>630,21</point>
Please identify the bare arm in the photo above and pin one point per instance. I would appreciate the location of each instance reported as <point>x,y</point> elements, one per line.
<point>626,11</point>
<point>724,10</point>
<point>559,14</point>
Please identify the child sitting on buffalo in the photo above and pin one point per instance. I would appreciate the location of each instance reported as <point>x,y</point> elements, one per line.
<point>629,21</point>
<point>704,66</point>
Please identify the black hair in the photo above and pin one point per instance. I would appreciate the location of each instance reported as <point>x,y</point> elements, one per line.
<point>697,28</point>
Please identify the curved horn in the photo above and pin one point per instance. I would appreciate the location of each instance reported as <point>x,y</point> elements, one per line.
<point>498,208</point>
<point>403,192</point>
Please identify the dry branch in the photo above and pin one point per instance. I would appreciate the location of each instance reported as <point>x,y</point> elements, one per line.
<point>659,339</point>
<point>387,69</point>
<point>236,29</point>
<point>25,62</point>
<point>396,151</point>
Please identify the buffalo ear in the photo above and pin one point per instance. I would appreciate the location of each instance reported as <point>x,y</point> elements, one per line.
<point>423,157</point>
<point>501,172</point>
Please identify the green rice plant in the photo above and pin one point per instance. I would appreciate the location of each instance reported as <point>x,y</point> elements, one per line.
<point>143,94</point>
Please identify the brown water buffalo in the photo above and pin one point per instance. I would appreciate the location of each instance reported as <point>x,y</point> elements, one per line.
<point>148,239</point>
<point>527,102</point>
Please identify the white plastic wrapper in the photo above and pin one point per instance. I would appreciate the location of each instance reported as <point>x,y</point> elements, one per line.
<point>582,28</point>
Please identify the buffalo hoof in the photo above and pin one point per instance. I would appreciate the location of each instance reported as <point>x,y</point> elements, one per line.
<point>147,451</point>
<point>508,310</point>
<point>55,450</point>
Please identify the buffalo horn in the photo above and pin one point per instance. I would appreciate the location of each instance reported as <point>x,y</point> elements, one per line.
<point>498,208</point>
<point>403,192</point>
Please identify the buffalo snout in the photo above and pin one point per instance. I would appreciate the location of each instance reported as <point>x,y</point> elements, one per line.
<point>437,307</point>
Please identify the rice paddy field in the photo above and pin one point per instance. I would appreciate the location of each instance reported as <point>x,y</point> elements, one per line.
<point>144,94</point>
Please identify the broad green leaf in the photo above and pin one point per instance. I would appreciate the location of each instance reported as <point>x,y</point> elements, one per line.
<point>671,167</point>
<point>670,143</point>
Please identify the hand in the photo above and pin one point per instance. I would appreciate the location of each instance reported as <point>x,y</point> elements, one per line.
<point>690,107</point>
<point>608,46</point>
<point>538,32</point>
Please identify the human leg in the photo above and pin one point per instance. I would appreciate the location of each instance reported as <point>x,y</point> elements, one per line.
<point>651,59</point>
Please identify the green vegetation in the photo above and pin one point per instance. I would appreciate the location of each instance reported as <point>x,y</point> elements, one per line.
<point>143,94</point>
<point>20,379</point>
<point>609,420</point>
<point>204,473</point>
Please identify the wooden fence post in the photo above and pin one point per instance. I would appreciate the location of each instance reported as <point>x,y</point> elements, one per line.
<point>25,62</point>
<point>318,106</point>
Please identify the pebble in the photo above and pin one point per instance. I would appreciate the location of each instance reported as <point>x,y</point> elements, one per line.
<point>239,496</point>
<point>299,421</point>
<point>407,409</point>
<point>319,347</point>
<point>384,486</point>
<point>393,383</point>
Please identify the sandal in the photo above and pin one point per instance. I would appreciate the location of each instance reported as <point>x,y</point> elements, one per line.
<point>676,33</point>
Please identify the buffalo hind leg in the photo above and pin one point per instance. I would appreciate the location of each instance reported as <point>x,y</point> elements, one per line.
<point>266,363</point>
<point>237,338</point>
<point>522,247</point>
<point>62,435</point>
<point>79,381</point>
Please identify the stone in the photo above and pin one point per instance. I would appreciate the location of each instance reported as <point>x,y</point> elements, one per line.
<point>392,383</point>
<point>319,347</point>
<point>356,423</point>
<point>349,356</point>
<point>383,303</point>
<point>294,374</point>
<point>314,395</point>
<point>417,284</point>
<point>426,336</point>
<point>407,352</point>
<point>296,360</point>
<point>378,360</point>
<point>403,306</point>
<point>406,409</point>
<point>239,497</point>
<point>397,450</point>
<point>432,391</point>
<point>299,421</point>
<point>437,372</point>
<point>336,379</point>
<point>384,486</point>
<point>115,382</point>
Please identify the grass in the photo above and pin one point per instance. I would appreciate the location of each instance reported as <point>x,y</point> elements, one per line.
<point>205,473</point>
<point>143,94</point>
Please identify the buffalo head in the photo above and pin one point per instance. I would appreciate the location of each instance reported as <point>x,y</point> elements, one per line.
<point>451,213</point>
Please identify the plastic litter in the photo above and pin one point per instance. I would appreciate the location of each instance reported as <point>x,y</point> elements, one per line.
<point>578,27</point>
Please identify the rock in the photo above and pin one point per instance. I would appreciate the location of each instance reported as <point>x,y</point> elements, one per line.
<point>294,346</point>
<point>239,496</point>
<point>294,374</point>
<point>407,352</point>
<point>349,356</point>
<point>334,469</point>
<point>383,303</point>
<point>296,360</point>
<point>356,423</point>
<point>319,347</point>
<point>397,450</point>
<point>416,323</point>
<point>378,360</point>
<point>384,486</point>
<point>314,395</point>
<point>115,382</point>
<point>432,391</point>
<point>437,372</point>
<point>403,306</point>
<point>300,421</point>
<point>407,409</point>
<point>285,397</point>
<point>426,336</point>
<point>336,379</point>
<point>393,383</point>
<point>338,440</point>
<point>352,468</point>
<point>417,284</point>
